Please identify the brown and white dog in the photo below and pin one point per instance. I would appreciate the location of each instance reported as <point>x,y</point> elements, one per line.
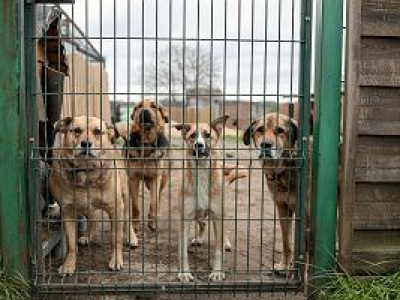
<point>201,194</point>
<point>275,136</point>
<point>147,157</point>
<point>87,175</point>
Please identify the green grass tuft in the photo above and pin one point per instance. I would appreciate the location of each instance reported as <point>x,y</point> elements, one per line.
<point>12,285</point>
<point>342,286</point>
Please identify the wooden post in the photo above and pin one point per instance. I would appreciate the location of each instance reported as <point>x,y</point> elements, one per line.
<point>347,187</point>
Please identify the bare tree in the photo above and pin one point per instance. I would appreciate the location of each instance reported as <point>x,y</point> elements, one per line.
<point>181,70</point>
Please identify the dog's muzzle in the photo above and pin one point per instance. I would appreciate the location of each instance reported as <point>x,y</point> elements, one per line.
<point>85,148</point>
<point>200,150</point>
<point>269,151</point>
<point>145,119</point>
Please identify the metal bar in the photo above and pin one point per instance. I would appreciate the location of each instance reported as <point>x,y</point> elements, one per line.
<point>13,204</point>
<point>176,288</point>
<point>326,136</point>
<point>304,131</point>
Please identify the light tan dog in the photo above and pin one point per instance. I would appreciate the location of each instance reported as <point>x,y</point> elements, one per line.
<point>147,157</point>
<point>201,194</point>
<point>88,175</point>
<point>275,136</point>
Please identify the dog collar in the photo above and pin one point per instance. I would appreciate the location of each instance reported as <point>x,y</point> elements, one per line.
<point>134,143</point>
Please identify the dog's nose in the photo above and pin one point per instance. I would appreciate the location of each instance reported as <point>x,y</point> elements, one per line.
<point>266,145</point>
<point>198,146</point>
<point>145,116</point>
<point>86,144</point>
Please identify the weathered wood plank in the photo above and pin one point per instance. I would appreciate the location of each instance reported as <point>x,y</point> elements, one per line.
<point>380,18</point>
<point>384,97</point>
<point>377,215</point>
<point>377,252</point>
<point>378,159</point>
<point>374,174</point>
<point>379,111</point>
<point>378,127</point>
<point>378,192</point>
<point>379,144</point>
<point>347,185</point>
<point>379,63</point>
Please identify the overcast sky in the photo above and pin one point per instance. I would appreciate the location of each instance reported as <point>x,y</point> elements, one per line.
<point>250,66</point>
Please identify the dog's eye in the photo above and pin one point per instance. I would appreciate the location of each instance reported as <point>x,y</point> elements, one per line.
<point>261,129</point>
<point>279,130</point>
<point>193,135</point>
<point>77,130</point>
<point>207,135</point>
<point>97,131</point>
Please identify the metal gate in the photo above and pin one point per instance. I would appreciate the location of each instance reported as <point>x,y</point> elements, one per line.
<point>195,62</point>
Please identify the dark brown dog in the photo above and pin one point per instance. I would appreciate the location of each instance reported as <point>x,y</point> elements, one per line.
<point>147,152</point>
<point>275,136</point>
<point>87,175</point>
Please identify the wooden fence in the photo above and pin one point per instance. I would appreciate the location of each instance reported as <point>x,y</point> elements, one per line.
<point>370,208</point>
<point>86,89</point>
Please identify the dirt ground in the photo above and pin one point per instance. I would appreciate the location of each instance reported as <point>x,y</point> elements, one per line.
<point>251,226</point>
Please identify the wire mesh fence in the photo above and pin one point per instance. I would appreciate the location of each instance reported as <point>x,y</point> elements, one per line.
<point>170,145</point>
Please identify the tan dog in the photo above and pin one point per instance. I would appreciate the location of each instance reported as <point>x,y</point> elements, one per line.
<point>275,135</point>
<point>146,152</point>
<point>201,195</point>
<point>87,175</point>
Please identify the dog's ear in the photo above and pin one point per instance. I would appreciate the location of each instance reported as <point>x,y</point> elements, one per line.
<point>134,111</point>
<point>164,113</point>
<point>121,129</point>
<point>62,125</point>
<point>293,130</point>
<point>248,133</point>
<point>182,127</point>
<point>112,133</point>
<point>219,123</point>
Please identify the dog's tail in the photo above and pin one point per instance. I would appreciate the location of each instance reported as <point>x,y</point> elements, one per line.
<point>234,172</point>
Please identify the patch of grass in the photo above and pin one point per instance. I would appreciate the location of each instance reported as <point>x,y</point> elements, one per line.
<point>12,285</point>
<point>343,286</point>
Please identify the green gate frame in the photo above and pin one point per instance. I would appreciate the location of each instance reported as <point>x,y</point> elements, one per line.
<point>328,69</point>
<point>14,146</point>
<point>13,140</point>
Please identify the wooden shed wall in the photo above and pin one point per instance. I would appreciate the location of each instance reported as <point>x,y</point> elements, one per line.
<point>86,89</point>
<point>371,193</point>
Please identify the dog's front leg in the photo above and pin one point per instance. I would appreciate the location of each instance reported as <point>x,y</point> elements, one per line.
<point>69,219</point>
<point>154,212</point>
<point>131,238</point>
<point>134,194</point>
<point>218,273</point>
<point>117,234</point>
<point>199,231</point>
<point>285,220</point>
<point>184,271</point>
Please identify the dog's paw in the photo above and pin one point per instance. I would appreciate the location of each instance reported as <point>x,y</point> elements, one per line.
<point>84,240</point>
<point>53,211</point>
<point>132,241</point>
<point>185,277</point>
<point>152,226</point>
<point>228,246</point>
<point>217,276</point>
<point>196,242</point>
<point>66,269</point>
<point>116,263</point>
<point>281,269</point>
